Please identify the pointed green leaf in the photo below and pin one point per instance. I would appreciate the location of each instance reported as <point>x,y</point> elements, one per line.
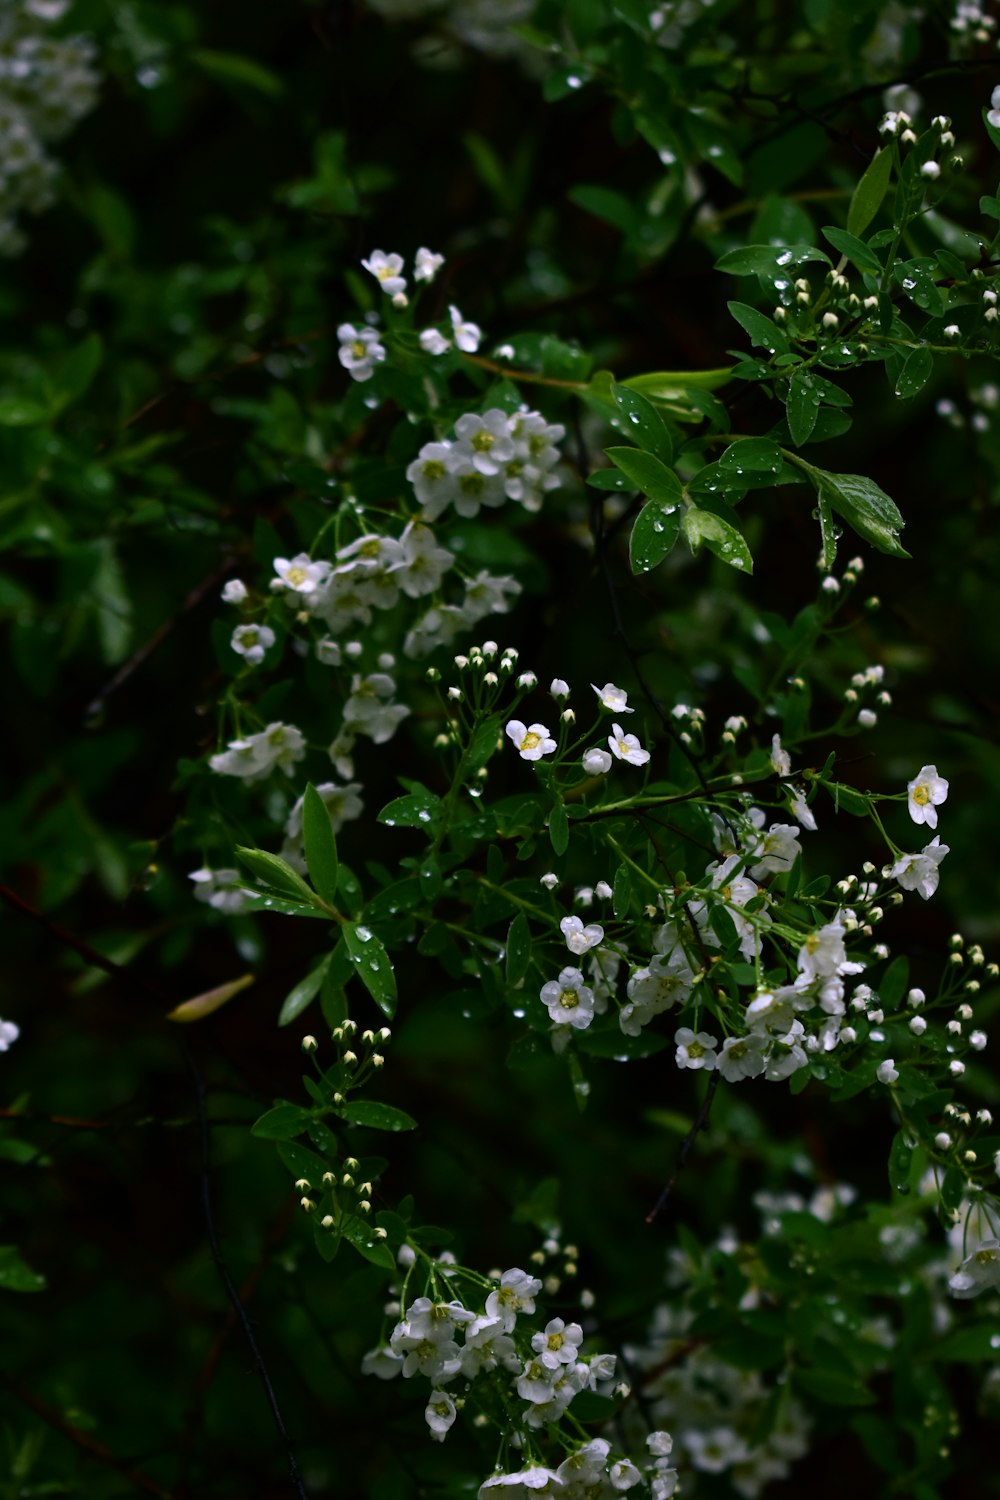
<point>647,473</point>
<point>282,1122</point>
<point>915,373</point>
<point>304,993</point>
<point>559,829</point>
<point>763,332</point>
<point>518,950</point>
<point>758,455</point>
<point>376,1116</point>
<point>767,260</point>
<point>15,1276</point>
<point>372,964</point>
<point>362,1236</point>
<point>865,507</point>
<point>277,874</point>
<point>321,846</point>
<point>856,250</point>
<point>804,400</point>
<point>703,527</point>
<point>656,529</point>
<point>419,810</point>
<point>870,191</point>
<point>644,425</point>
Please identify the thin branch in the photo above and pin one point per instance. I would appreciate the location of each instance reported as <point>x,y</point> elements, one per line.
<point>699,1125</point>
<point>84,1441</point>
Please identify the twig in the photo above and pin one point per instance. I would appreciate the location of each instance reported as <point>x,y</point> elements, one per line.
<point>701,1121</point>
<point>84,1441</point>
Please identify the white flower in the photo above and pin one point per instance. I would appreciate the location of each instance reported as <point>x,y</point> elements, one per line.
<point>781,761</point>
<point>531,742</point>
<point>926,792</point>
<point>486,439</point>
<point>979,1272</point>
<point>386,269</point>
<point>714,1450</point>
<point>431,476</point>
<point>801,811</point>
<point>558,1343</point>
<point>9,1033</point>
<point>360,351</point>
<point>558,688</point>
<point>251,642</point>
<point>741,1057</point>
<point>603,890</point>
<point>660,1444</point>
<point>222,889</point>
<point>440,1413</point>
<point>580,939</point>
<point>328,651</point>
<point>627,747</point>
<point>427,264</point>
<point>624,1474</point>
<point>695,1049</point>
<point>234,592</point>
<point>487,594</point>
<point>886,1073</point>
<point>550,881</point>
<point>596,762</point>
<point>467,336</point>
<point>585,1467</point>
<point>252,758</point>
<point>424,562</point>
<point>384,1363</point>
<point>524,1484</point>
<point>568,1000</point>
<point>515,1294</point>
<point>919,872</point>
<point>775,851</point>
<point>930,169</point>
<point>614,698</point>
<point>300,573</point>
<point>368,710</point>
<point>434,342</point>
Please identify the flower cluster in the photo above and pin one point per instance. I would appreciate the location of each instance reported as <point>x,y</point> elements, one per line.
<point>921,872</point>
<point>255,756</point>
<point>46,84</point>
<point>545,1367</point>
<point>493,457</point>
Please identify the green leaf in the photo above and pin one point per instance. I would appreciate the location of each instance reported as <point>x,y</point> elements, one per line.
<point>282,1122</point>
<point>621,895</point>
<point>865,507</point>
<point>647,473</point>
<point>484,744</point>
<point>703,527</point>
<point>856,250</point>
<point>518,950</point>
<point>19,411</point>
<point>376,1116</point>
<point>870,191</point>
<point>915,373</point>
<point>900,1162</point>
<point>302,1162</point>
<point>304,993</point>
<point>894,982</point>
<point>846,799</point>
<point>762,330</point>
<point>277,874</point>
<point>229,67</point>
<point>833,1387</point>
<point>419,810</point>
<point>372,964</point>
<point>559,829</point>
<point>645,426</point>
<point>15,1275</point>
<point>610,479</point>
<point>767,260</point>
<point>78,370</point>
<point>804,400</point>
<point>656,529</point>
<point>321,846</point>
<point>361,1235</point>
<point>759,455</point>
<point>604,203</point>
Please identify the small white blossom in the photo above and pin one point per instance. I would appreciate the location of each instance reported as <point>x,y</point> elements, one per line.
<point>979,1272</point>
<point>925,793</point>
<point>432,341</point>
<point>695,1049</point>
<point>426,264</point>
<point>614,698</point>
<point>467,336</point>
<point>919,872</point>
<point>886,1073</point>
<point>360,351</point>
<point>580,939</point>
<point>440,1414</point>
<point>300,573</point>
<point>234,592</point>
<point>558,688</point>
<point>596,762</point>
<point>9,1033</point>
<point>386,269</point>
<point>531,742</point>
<point>626,747</point>
<point>568,1000</point>
<point>252,641</point>
<point>781,761</point>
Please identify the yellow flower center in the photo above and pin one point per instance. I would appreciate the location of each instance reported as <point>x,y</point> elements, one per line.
<point>921,795</point>
<point>434,469</point>
<point>531,740</point>
<point>296,576</point>
<point>358,349</point>
<point>568,999</point>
